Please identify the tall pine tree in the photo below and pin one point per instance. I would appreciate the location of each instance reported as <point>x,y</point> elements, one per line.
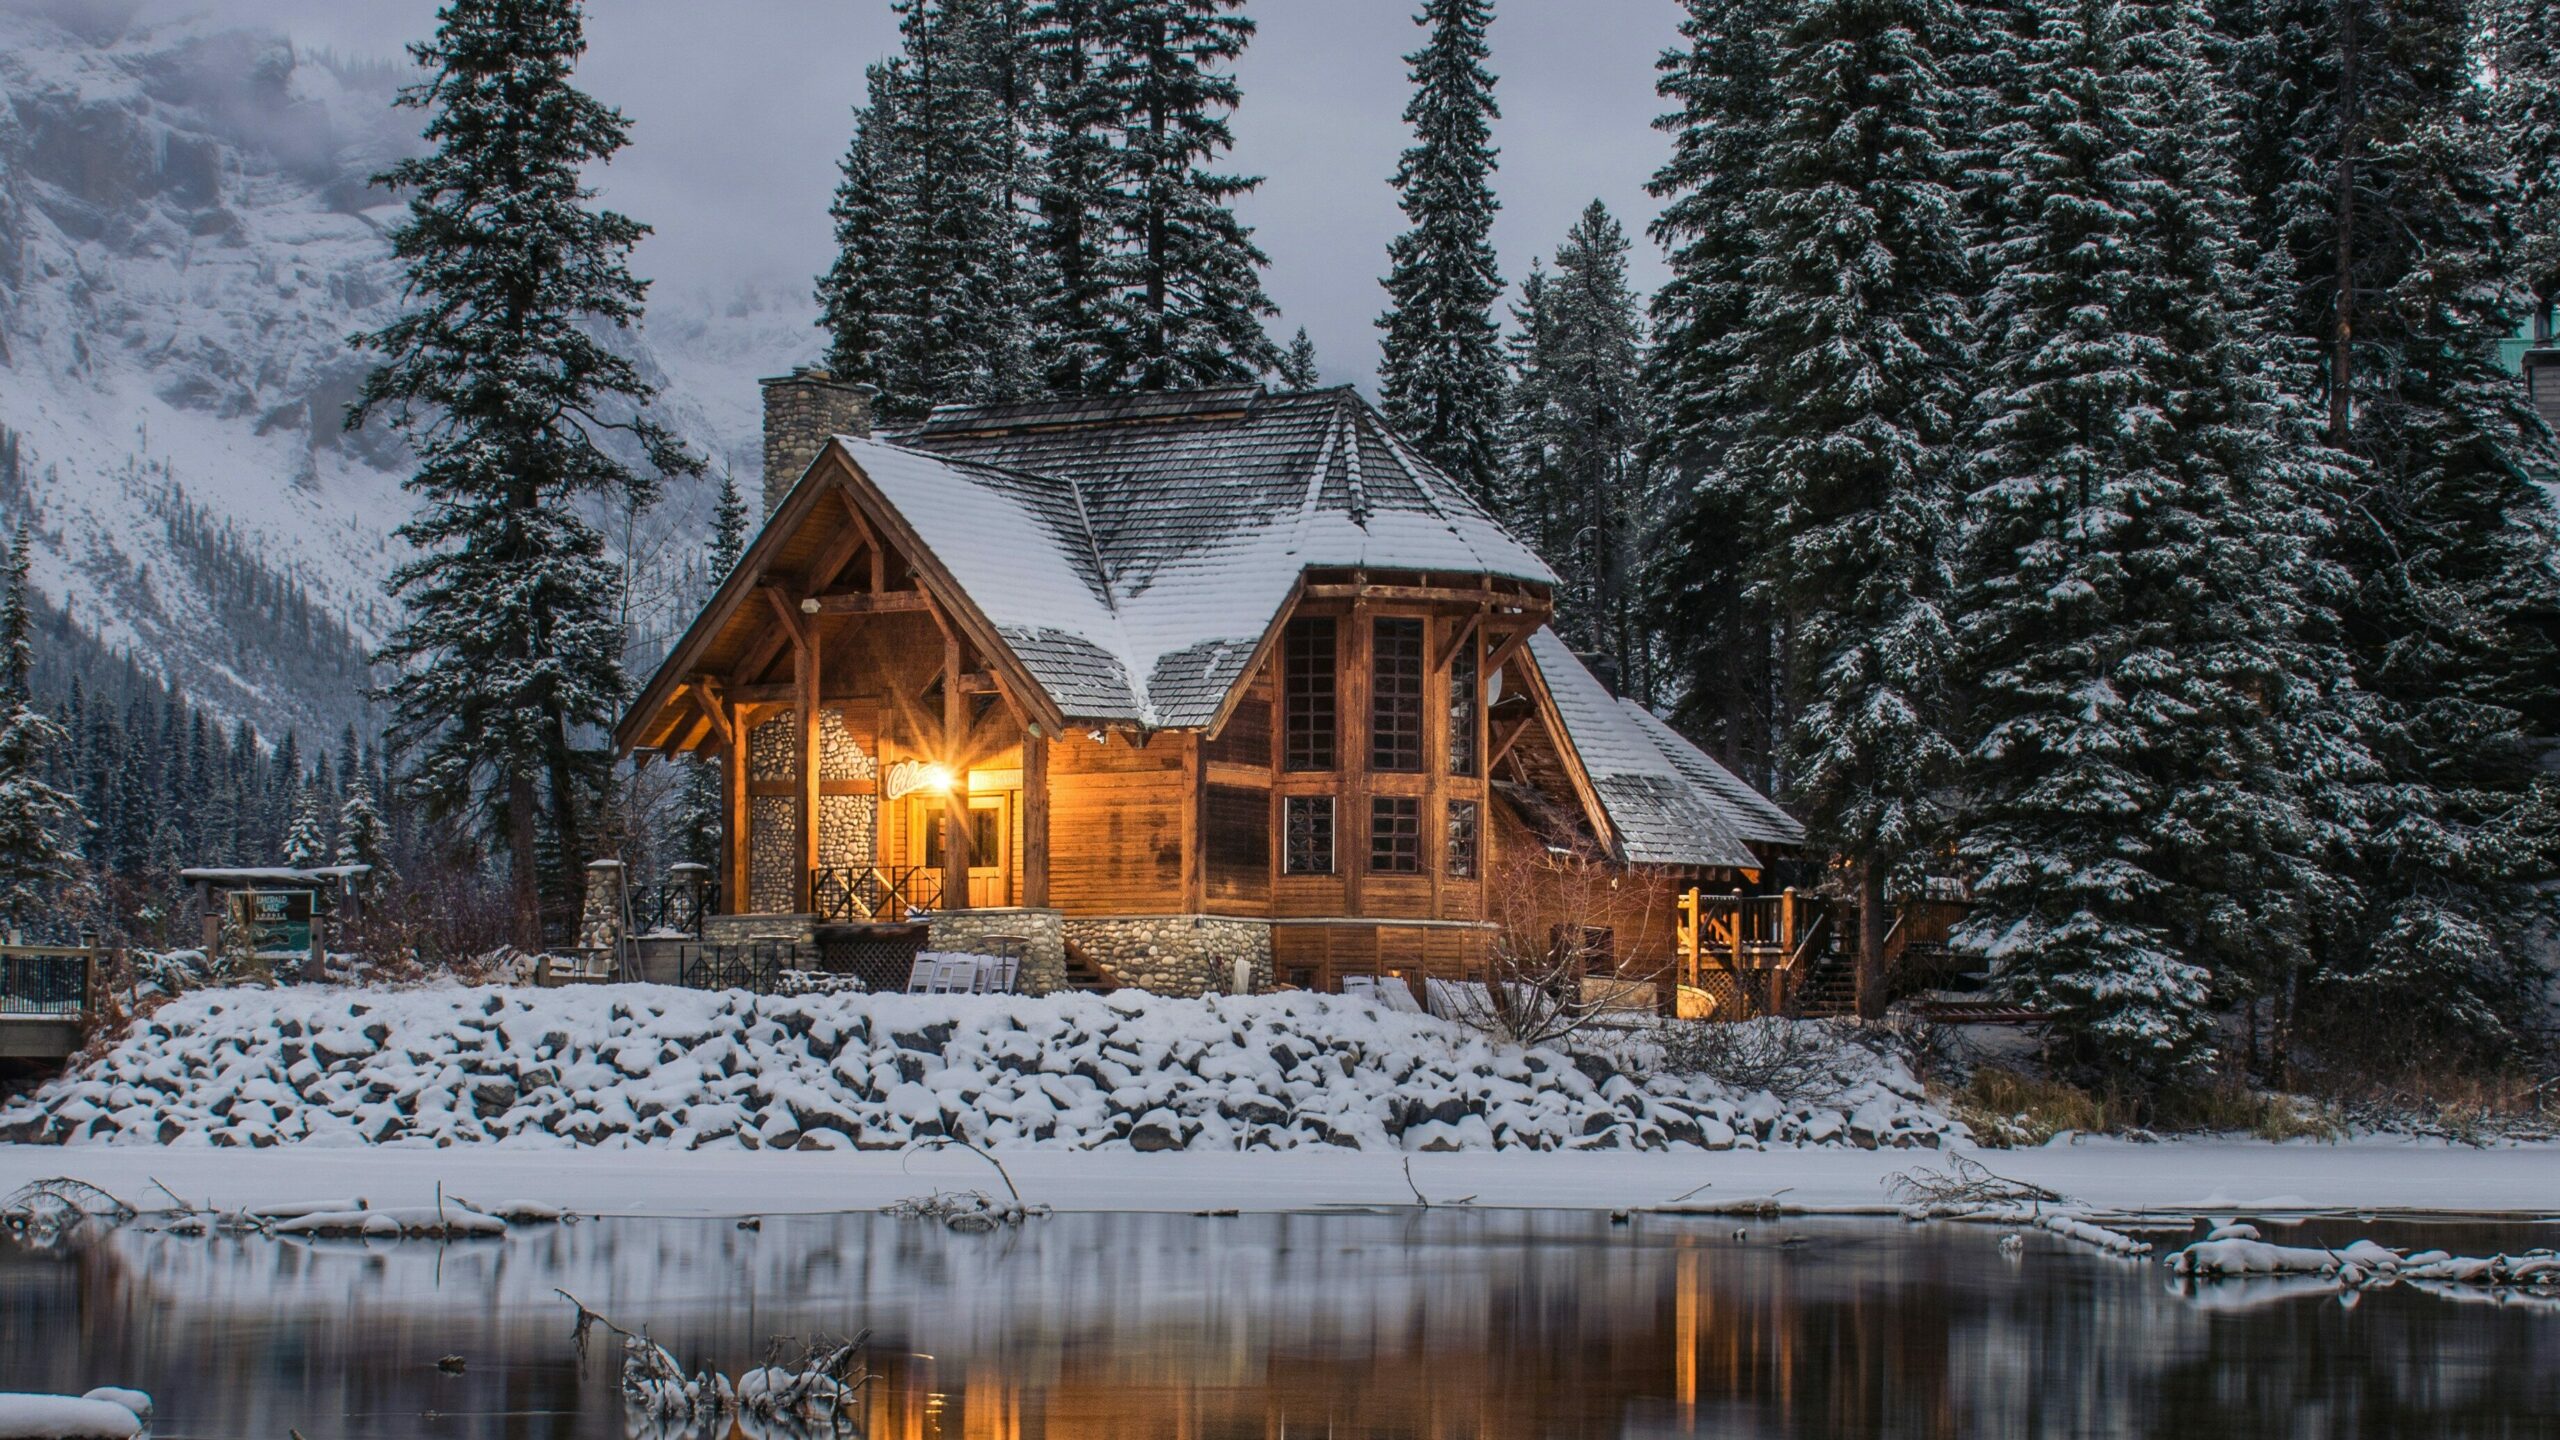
<point>2149,726</point>
<point>2369,137</point>
<point>1698,576</point>
<point>1851,356</point>
<point>1187,304</point>
<point>1298,363</point>
<point>40,826</point>
<point>930,296</point>
<point>510,655</point>
<point>1441,373</point>
<point>1578,488</point>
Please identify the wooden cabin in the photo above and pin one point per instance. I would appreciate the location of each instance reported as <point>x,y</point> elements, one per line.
<point>1152,685</point>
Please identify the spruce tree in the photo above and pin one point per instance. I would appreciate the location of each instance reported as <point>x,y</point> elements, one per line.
<point>1853,352</point>
<point>41,827</point>
<point>1076,201</point>
<point>306,840</point>
<point>930,298</point>
<point>1579,490</point>
<point>2370,139</point>
<point>363,839</point>
<point>728,530</point>
<point>1697,578</point>
<point>509,659</point>
<point>1187,308</point>
<point>2526,61</point>
<point>1298,363</point>
<point>1440,380</point>
<point>2148,724</point>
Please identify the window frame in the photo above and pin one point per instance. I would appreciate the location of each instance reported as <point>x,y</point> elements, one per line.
<point>1404,812</point>
<point>1290,808</point>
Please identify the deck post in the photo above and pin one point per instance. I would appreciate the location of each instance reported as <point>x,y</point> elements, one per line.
<point>1787,924</point>
<point>1035,819</point>
<point>956,833</point>
<point>812,738</point>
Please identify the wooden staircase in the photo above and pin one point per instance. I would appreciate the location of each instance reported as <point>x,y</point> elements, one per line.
<point>1087,975</point>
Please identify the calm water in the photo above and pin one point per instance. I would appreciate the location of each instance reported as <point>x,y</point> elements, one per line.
<point>1445,1324</point>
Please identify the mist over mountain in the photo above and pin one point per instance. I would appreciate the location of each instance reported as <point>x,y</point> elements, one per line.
<point>187,239</point>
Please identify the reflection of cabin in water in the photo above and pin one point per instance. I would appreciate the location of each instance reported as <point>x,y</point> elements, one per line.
<point>1155,682</point>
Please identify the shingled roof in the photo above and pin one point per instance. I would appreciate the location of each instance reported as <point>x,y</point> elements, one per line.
<point>1185,521</point>
<point>1133,553</point>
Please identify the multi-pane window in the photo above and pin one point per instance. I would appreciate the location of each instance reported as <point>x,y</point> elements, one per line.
<point>1239,834</point>
<point>1308,697</point>
<point>1462,710</point>
<point>1395,835</point>
<point>1396,669</point>
<point>1310,835</point>
<point>1461,841</point>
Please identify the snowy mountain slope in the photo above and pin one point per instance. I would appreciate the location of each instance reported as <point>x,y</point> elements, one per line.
<point>186,241</point>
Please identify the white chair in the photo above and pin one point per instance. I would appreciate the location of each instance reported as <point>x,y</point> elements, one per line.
<point>955,976</point>
<point>1361,987</point>
<point>1000,974</point>
<point>1394,994</point>
<point>920,979</point>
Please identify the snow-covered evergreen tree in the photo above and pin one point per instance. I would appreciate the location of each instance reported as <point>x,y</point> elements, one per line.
<point>306,839</point>
<point>2148,724</point>
<point>509,658</point>
<point>2368,132</point>
<point>363,838</point>
<point>1298,363</point>
<point>1441,373</point>
<point>40,826</point>
<point>1697,575</point>
<point>1187,304</point>
<point>2526,62</point>
<point>728,529</point>
<point>1578,489</point>
<point>1852,355</point>
<point>930,296</point>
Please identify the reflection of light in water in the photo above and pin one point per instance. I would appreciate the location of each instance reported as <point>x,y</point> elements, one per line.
<point>1492,1324</point>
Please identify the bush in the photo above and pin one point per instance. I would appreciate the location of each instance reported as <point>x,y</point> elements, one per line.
<point>1796,1061</point>
<point>2231,1106</point>
<point>2006,1108</point>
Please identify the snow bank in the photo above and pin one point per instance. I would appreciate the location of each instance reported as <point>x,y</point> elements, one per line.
<point>650,1066</point>
<point>98,1415</point>
<point>2236,1250</point>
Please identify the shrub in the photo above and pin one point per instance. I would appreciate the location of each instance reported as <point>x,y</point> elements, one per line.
<point>2006,1108</point>
<point>1796,1061</point>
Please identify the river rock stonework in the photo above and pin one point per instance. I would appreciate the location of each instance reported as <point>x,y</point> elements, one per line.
<point>1184,955</point>
<point>1041,932</point>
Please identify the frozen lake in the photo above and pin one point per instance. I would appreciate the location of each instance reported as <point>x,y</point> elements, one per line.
<point>1417,1324</point>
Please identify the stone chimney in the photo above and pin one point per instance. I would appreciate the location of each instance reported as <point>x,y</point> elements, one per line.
<point>801,410</point>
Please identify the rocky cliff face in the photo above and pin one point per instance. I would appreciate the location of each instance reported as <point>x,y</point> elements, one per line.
<point>186,240</point>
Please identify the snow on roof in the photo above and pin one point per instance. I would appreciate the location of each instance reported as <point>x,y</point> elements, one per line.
<point>1755,816</point>
<point>275,874</point>
<point>1662,812</point>
<point>1135,553</point>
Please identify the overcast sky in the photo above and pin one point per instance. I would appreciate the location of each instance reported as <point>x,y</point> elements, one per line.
<point>741,109</point>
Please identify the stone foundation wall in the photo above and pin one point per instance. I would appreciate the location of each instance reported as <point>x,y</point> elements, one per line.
<point>801,930</point>
<point>1043,933</point>
<point>1185,955</point>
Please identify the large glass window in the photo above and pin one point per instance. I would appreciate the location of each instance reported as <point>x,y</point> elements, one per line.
<point>1396,669</point>
<point>1310,838</point>
<point>1395,835</point>
<point>1309,698</point>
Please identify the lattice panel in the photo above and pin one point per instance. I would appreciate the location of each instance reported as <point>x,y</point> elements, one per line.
<point>773,854</point>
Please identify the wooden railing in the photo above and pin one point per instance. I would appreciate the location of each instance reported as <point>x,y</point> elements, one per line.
<point>871,895</point>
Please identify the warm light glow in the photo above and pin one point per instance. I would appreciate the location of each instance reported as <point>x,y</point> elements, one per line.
<point>910,776</point>
<point>936,778</point>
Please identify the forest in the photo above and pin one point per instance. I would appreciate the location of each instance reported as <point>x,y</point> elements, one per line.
<point>2075,453</point>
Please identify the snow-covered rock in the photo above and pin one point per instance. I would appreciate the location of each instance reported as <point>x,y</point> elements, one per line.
<point>94,1416</point>
<point>642,1065</point>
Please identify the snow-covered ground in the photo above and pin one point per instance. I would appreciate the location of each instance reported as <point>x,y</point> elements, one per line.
<point>274,1097</point>
<point>2175,1177</point>
<point>651,1067</point>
